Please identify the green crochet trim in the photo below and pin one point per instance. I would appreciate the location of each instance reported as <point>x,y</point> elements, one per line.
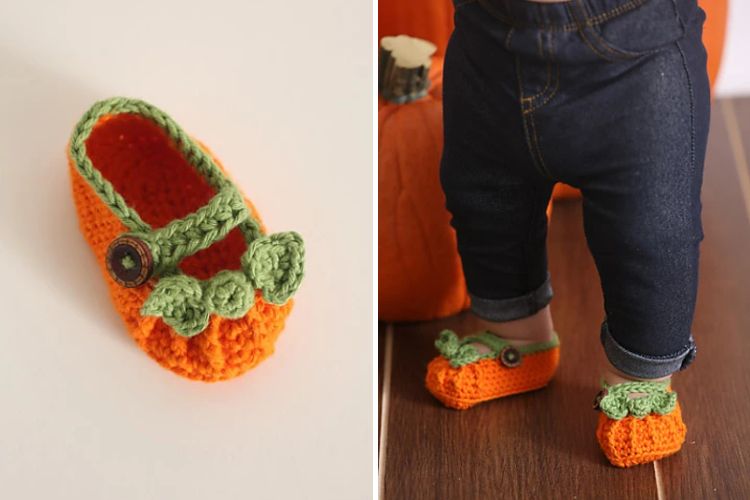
<point>273,264</point>
<point>617,404</point>
<point>197,231</point>
<point>461,352</point>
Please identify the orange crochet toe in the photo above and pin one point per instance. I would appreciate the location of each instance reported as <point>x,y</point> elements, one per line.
<point>200,286</point>
<point>642,429</point>
<point>461,377</point>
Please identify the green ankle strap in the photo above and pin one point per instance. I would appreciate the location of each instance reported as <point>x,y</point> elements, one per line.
<point>462,352</point>
<point>615,401</point>
<point>273,264</point>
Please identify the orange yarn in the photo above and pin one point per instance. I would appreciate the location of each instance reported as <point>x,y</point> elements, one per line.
<point>486,379</point>
<point>139,159</point>
<point>632,441</point>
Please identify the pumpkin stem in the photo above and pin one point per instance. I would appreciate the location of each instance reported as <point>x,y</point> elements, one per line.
<point>403,72</point>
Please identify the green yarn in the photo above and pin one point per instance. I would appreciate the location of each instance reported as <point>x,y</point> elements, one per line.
<point>462,352</point>
<point>190,149</point>
<point>128,262</point>
<point>229,294</point>
<point>196,231</point>
<point>179,301</point>
<point>273,264</point>
<point>225,204</point>
<point>617,403</point>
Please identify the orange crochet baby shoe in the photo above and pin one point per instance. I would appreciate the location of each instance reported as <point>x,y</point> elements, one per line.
<point>201,287</point>
<point>639,422</point>
<point>461,376</point>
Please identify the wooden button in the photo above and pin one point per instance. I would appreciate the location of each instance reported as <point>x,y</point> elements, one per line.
<point>510,356</point>
<point>129,261</point>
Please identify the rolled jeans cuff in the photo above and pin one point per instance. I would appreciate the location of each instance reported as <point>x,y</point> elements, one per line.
<point>644,366</point>
<point>514,307</point>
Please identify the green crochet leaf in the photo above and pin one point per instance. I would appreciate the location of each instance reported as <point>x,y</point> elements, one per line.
<point>229,294</point>
<point>458,353</point>
<point>617,403</point>
<point>275,265</point>
<point>178,300</point>
<point>185,303</point>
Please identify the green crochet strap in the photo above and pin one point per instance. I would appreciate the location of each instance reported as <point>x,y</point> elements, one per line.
<point>197,231</point>
<point>462,352</point>
<point>190,149</point>
<point>617,403</point>
<point>273,264</point>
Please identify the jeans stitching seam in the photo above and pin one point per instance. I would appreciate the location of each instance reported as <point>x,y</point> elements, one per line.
<point>580,28</point>
<point>539,94</point>
<point>541,162</point>
<point>692,122</point>
<point>525,120</point>
<point>553,92</point>
<point>613,50</point>
<point>588,27</point>
<point>604,44</point>
<point>679,17</point>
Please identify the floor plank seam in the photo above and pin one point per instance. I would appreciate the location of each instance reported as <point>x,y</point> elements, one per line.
<point>384,407</point>
<point>659,482</point>
<point>738,151</point>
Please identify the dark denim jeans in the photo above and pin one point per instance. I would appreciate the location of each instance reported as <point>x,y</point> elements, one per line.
<point>612,97</point>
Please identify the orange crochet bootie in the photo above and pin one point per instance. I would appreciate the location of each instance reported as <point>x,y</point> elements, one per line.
<point>639,422</point>
<point>200,286</point>
<point>462,377</point>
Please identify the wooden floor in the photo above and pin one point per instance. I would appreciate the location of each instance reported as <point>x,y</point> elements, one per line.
<point>541,445</point>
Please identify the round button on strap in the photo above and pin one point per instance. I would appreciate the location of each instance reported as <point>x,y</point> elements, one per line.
<point>129,261</point>
<point>510,356</point>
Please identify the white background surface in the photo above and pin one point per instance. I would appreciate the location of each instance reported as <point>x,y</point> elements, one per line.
<point>734,72</point>
<point>282,92</point>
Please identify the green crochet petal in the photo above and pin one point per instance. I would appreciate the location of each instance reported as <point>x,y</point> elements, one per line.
<point>275,264</point>
<point>461,352</point>
<point>178,300</point>
<point>229,294</point>
<point>447,343</point>
<point>617,404</point>
<point>457,351</point>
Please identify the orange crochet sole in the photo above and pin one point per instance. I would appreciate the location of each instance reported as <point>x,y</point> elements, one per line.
<point>487,379</point>
<point>138,158</point>
<point>632,441</point>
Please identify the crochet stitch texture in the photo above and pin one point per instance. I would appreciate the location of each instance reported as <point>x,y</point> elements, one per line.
<point>461,378</point>
<point>638,430</point>
<point>221,288</point>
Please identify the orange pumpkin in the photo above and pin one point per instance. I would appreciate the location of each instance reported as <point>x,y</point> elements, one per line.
<point>433,21</point>
<point>419,270</point>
